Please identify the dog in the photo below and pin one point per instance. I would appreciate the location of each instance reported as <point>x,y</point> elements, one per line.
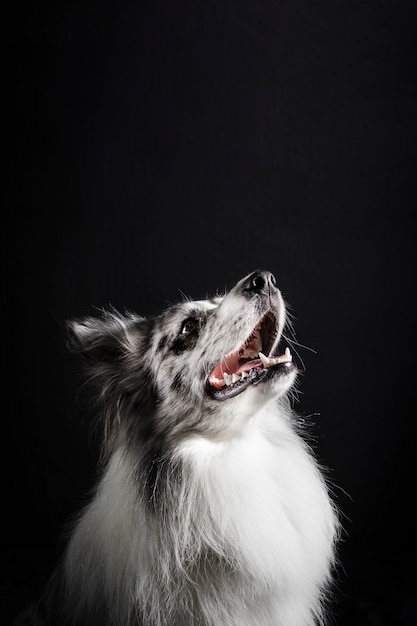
<point>210,508</point>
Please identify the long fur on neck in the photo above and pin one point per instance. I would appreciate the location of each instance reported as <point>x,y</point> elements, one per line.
<point>195,552</point>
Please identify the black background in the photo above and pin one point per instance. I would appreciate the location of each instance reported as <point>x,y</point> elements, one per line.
<point>161,148</point>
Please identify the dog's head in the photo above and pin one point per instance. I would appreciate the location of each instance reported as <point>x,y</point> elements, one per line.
<point>200,367</point>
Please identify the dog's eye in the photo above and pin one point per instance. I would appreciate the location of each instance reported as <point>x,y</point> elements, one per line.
<point>189,326</point>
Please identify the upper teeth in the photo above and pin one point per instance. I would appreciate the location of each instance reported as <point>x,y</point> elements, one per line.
<point>267,361</point>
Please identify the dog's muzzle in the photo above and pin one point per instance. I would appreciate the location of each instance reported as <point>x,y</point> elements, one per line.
<point>253,362</point>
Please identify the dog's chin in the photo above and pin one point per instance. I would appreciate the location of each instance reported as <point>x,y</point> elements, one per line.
<point>275,381</point>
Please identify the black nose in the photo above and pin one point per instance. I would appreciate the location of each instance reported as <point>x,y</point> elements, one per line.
<point>261,282</point>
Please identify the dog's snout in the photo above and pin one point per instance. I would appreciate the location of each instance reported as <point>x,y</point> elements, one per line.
<point>260,282</point>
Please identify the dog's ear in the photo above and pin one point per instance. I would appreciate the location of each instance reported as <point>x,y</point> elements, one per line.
<point>105,338</point>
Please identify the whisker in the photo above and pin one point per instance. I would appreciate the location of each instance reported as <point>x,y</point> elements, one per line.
<point>301,345</point>
<point>295,350</point>
<point>289,330</point>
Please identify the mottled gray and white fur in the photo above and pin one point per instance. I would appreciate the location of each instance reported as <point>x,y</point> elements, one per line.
<point>210,509</point>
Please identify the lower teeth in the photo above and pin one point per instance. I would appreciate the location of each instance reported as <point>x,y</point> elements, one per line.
<point>230,379</point>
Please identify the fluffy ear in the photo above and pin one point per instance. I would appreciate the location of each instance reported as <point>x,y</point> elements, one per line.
<point>103,338</point>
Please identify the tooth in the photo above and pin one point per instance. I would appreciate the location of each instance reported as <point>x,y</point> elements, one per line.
<point>288,354</point>
<point>219,382</point>
<point>266,362</point>
<point>244,374</point>
<point>227,378</point>
<point>235,378</point>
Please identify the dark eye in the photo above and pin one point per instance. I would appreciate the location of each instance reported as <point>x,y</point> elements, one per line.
<point>188,335</point>
<point>189,326</point>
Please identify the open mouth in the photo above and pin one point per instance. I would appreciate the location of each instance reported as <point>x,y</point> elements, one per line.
<point>251,364</point>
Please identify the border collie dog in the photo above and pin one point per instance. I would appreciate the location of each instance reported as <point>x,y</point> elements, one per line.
<point>210,509</point>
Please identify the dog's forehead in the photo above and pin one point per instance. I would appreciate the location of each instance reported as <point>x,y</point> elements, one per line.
<point>194,307</point>
<point>206,305</point>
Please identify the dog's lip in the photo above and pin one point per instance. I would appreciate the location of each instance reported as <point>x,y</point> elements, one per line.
<point>248,365</point>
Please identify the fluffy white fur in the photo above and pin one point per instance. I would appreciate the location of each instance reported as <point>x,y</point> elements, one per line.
<point>257,502</point>
<point>215,512</point>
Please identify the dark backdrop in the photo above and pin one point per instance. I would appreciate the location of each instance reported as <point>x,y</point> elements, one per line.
<point>167,147</point>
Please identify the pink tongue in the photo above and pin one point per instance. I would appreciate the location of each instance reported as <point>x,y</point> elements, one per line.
<point>248,365</point>
<point>231,366</point>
